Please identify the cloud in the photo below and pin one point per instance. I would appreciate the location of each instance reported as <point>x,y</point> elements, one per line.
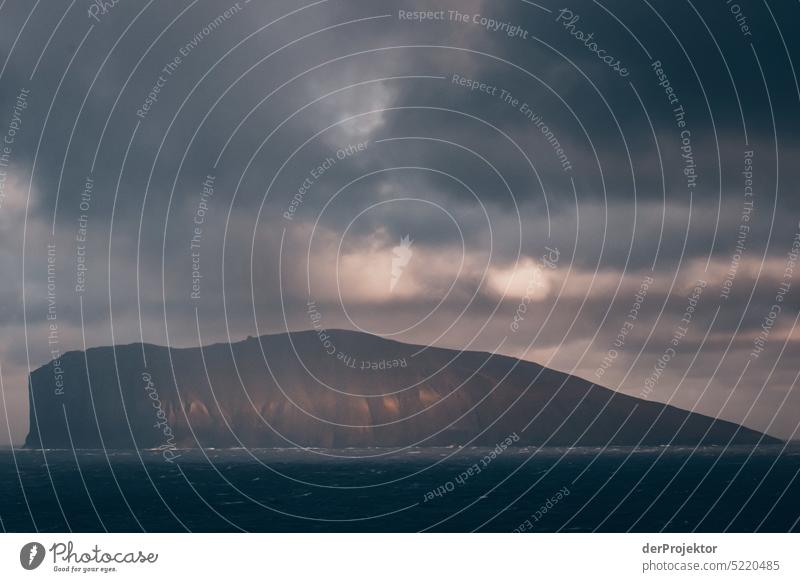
<point>468,175</point>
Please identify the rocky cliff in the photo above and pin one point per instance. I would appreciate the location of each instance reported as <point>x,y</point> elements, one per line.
<point>339,389</point>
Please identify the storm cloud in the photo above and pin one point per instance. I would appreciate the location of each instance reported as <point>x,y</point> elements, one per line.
<point>190,172</point>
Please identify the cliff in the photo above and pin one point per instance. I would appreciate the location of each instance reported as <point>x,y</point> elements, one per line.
<point>350,390</point>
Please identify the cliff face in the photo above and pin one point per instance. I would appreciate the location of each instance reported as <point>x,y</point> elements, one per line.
<point>271,392</point>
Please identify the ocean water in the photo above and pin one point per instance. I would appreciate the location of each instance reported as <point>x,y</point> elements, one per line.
<point>434,489</point>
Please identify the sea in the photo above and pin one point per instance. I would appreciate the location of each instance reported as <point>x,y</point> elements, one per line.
<point>517,489</point>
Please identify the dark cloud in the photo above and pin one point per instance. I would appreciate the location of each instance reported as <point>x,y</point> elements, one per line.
<point>577,158</point>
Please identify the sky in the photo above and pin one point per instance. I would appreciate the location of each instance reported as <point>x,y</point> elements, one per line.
<point>605,188</point>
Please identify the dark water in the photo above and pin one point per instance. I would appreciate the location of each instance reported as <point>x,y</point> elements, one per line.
<point>621,489</point>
